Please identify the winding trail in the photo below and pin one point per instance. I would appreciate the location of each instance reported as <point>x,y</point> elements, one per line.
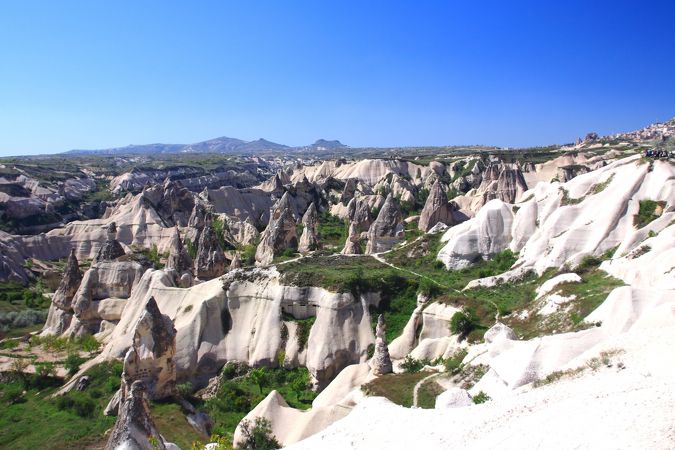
<point>419,384</point>
<point>378,257</point>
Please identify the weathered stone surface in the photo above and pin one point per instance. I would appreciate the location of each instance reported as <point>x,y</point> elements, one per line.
<point>106,279</point>
<point>178,260</point>
<point>310,233</point>
<point>353,243</point>
<point>387,230</point>
<point>566,173</point>
<point>201,423</point>
<point>236,262</point>
<point>151,355</point>
<point>482,237</point>
<point>453,398</point>
<point>135,429</point>
<point>198,216</point>
<point>502,181</point>
<point>436,209</point>
<point>280,233</point>
<point>381,362</point>
<point>82,383</point>
<point>499,331</point>
<point>111,248</point>
<point>348,191</point>
<point>358,212</point>
<point>399,187</point>
<point>210,261</point>
<point>172,201</point>
<point>70,282</point>
<point>243,232</point>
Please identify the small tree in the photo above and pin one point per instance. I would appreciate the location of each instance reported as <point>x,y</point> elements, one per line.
<point>258,376</point>
<point>258,436</point>
<point>463,322</point>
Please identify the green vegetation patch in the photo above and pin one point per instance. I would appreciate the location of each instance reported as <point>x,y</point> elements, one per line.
<point>427,393</point>
<point>22,309</point>
<point>599,187</point>
<point>242,388</point>
<point>649,211</point>
<point>593,289</point>
<point>74,420</point>
<point>396,387</point>
<point>333,231</point>
<point>172,424</point>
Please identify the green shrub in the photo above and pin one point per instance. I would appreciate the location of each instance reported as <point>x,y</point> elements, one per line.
<point>45,369</point>
<point>303,329</point>
<point>453,364</point>
<point>588,263</point>
<point>185,389</point>
<point>412,365</point>
<point>258,435</point>
<point>88,343</point>
<point>647,212</point>
<point>191,248</point>
<point>58,344</point>
<point>481,397</point>
<point>287,253</point>
<point>9,344</point>
<point>248,255</point>
<point>76,402</point>
<point>464,322</point>
<point>219,228</point>
<point>154,257</point>
<point>332,230</point>
<point>12,394</point>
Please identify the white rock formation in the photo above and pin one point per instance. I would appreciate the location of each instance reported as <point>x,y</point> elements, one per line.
<point>309,240</point>
<point>550,285</point>
<point>387,230</point>
<point>179,259</point>
<point>210,261</point>
<point>437,209</point>
<point>231,318</point>
<point>151,355</point>
<point>453,398</point>
<point>353,242</point>
<point>135,428</point>
<point>381,362</point>
<point>481,237</point>
<point>558,224</point>
<point>369,171</point>
<point>280,233</point>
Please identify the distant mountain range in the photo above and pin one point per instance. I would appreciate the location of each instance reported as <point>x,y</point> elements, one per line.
<point>217,145</point>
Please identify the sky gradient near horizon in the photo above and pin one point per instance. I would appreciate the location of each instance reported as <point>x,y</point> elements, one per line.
<point>87,75</point>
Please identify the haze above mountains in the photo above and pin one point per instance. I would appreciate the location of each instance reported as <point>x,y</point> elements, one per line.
<point>217,145</point>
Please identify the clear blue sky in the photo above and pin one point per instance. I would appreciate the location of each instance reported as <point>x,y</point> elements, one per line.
<point>95,74</point>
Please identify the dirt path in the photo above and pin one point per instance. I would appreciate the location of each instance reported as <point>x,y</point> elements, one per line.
<point>378,257</point>
<point>419,384</point>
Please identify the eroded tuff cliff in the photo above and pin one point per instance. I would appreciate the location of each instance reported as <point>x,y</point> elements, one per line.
<point>238,318</point>
<point>557,224</point>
